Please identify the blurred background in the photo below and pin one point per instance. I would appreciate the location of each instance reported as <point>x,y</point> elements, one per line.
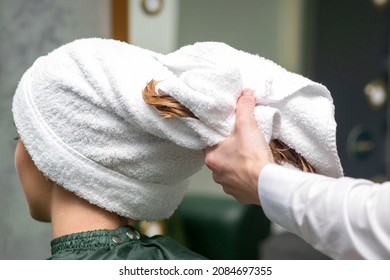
<point>342,44</point>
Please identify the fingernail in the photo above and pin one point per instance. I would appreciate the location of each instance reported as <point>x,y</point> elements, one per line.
<point>248,91</point>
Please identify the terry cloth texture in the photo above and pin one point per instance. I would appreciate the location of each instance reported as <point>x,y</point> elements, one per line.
<point>80,113</point>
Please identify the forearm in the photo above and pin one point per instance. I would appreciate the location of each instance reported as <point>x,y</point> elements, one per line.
<point>344,218</point>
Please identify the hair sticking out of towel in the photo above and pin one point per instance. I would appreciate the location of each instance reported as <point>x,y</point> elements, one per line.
<point>169,107</point>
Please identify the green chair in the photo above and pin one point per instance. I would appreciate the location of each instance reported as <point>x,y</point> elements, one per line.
<point>221,228</point>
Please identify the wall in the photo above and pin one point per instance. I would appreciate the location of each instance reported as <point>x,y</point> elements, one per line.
<point>156,32</point>
<point>271,28</point>
<point>31,28</point>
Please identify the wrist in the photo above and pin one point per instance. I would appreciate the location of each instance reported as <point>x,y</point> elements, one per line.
<point>255,176</point>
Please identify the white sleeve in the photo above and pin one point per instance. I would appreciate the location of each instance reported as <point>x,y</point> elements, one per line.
<point>344,218</point>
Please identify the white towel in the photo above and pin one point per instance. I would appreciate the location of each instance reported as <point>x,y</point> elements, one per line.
<point>80,113</point>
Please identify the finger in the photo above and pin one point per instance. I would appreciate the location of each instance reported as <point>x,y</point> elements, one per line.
<point>245,109</point>
<point>209,159</point>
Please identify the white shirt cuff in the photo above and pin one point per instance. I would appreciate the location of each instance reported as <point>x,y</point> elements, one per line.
<point>275,187</point>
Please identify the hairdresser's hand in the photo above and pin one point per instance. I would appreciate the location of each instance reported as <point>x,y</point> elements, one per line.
<point>237,161</point>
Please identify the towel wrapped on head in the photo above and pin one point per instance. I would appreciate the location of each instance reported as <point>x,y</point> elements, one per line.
<point>80,113</point>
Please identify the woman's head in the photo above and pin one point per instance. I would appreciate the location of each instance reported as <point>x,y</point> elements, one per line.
<point>80,114</point>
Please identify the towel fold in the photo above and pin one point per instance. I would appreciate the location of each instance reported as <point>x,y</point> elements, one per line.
<point>80,114</point>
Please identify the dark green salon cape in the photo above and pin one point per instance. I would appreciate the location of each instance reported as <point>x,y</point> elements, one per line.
<point>123,243</point>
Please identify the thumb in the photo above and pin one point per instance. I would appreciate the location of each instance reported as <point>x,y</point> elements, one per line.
<point>245,110</point>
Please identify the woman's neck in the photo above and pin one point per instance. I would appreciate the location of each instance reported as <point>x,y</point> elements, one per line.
<point>72,214</point>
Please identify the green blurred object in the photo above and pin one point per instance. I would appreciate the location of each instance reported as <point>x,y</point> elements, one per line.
<point>221,228</point>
